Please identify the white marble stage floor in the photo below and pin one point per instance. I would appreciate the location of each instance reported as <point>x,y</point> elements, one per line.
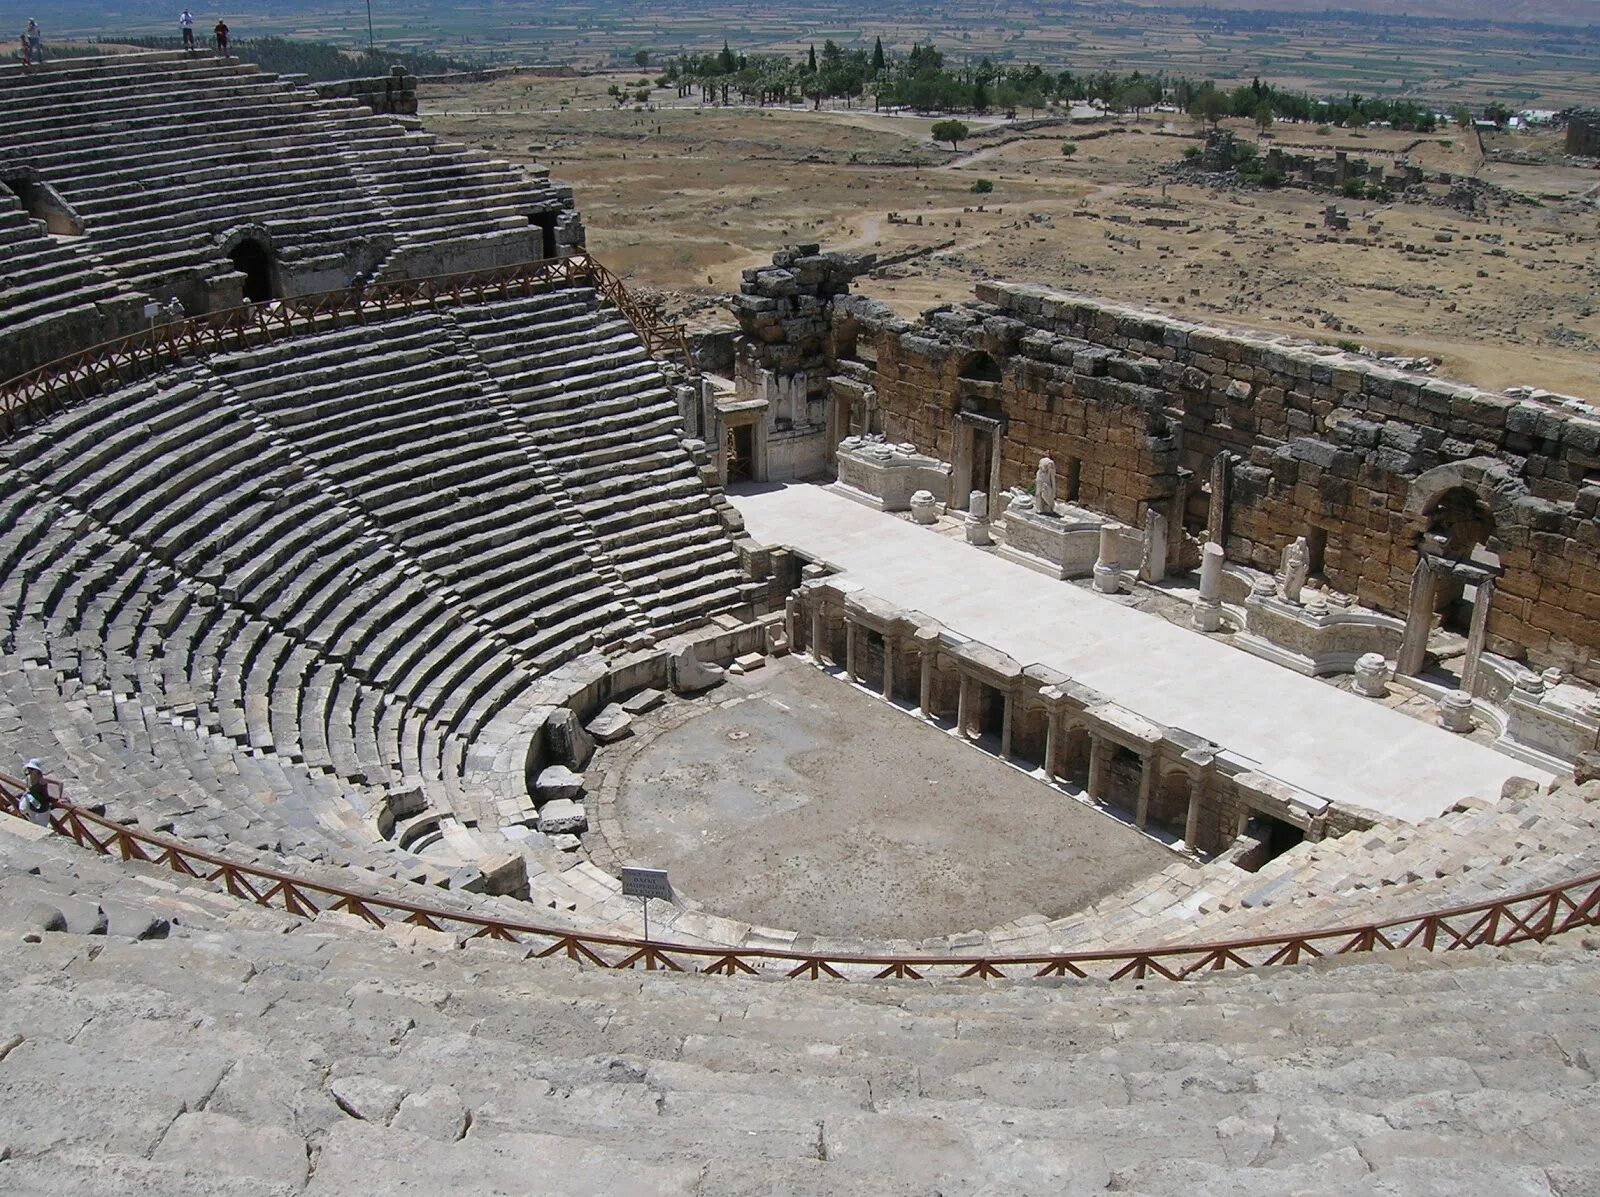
<point>1347,749</point>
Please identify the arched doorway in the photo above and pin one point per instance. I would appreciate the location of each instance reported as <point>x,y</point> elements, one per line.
<point>1451,592</point>
<point>251,259</point>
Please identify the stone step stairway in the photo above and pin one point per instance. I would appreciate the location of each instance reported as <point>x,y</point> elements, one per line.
<point>333,1059</point>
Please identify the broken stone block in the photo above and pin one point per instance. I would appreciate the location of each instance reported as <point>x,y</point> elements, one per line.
<point>645,700</point>
<point>568,742</point>
<point>611,724</point>
<point>557,782</point>
<point>563,817</point>
<point>566,843</point>
<point>438,1113</point>
<point>690,675</point>
<point>750,662</point>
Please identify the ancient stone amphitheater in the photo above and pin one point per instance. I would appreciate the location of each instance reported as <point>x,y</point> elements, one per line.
<point>348,502</point>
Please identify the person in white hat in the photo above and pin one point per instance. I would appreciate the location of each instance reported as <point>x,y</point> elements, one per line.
<point>36,801</point>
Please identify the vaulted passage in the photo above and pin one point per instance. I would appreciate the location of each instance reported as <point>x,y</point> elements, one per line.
<point>251,259</point>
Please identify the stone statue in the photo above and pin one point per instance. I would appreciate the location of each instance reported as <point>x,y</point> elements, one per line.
<point>1044,486</point>
<point>1296,568</point>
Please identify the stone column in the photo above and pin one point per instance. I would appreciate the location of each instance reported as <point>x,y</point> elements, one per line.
<point>1099,752</point>
<point>1455,712</point>
<point>1107,578</point>
<point>976,525</point>
<point>791,621</point>
<point>1419,620</point>
<point>818,623</point>
<point>1008,708</point>
<point>1217,515</point>
<point>1191,822</point>
<point>1477,633</point>
<point>889,646</point>
<point>1147,781</point>
<point>851,630</point>
<point>963,704</point>
<point>927,641</point>
<point>1052,731</point>
<point>1208,613</point>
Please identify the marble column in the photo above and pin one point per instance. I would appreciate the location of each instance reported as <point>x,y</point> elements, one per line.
<point>1419,620</point>
<point>1477,633</point>
<point>1008,709</point>
<point>1107,577</point>
<point>1208,612</point>
<point>817,636</point>
<point>889,646</point>
<point>1147,781</point>
<point>1099,758</point>
<point>1191,822</point>
<point>1052,733</point>
<point>851,631</point>
<point>925,688</point>
<point>963,704</point>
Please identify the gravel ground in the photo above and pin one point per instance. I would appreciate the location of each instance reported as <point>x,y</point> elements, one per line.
<point>794,800</point>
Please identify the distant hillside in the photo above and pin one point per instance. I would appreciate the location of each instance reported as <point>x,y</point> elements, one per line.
<point>1531,12</point>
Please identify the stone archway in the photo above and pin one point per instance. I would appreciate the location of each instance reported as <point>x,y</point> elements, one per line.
<point>1456,509</point>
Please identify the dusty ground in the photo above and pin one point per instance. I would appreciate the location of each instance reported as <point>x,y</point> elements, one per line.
<point>813,805</point>
<point>682,197</point>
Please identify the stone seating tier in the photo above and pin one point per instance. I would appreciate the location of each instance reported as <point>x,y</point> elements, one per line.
<point>160,159</point>
<point>337,1059</point>
<point>330,566</point>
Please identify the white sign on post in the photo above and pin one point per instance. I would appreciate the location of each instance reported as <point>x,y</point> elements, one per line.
<point>646,884</point>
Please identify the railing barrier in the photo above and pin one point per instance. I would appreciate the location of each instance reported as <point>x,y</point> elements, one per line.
<point>51,387</point>
<point>1530,916</point>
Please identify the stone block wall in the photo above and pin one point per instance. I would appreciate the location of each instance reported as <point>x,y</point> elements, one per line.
<point>1334,445</point>
<point>394,94</point>
<point>1266,438</point>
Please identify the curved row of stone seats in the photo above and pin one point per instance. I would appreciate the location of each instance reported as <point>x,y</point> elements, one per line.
<point>1463,857</point>
<point>599,410</point>
<point>337,1059</point>
<point>52,296</point>
<point>397,418</point>
<point>379,682</point>
<point>162,155</point>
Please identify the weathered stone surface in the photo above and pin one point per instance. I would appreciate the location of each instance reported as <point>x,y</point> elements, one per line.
<point>611,724</point>
<point>563,817</point>
<point>437,1112</point>
<point>227,1145</point>
<point>557,782</point>
<point>568,742</point>
<point>690,675</point>
<point>645,700</point>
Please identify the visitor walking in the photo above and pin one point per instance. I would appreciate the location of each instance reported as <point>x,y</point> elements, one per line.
<point>186,24</point>
<point>36,802</point>
<point>32,44</point>
<point>222,37</point>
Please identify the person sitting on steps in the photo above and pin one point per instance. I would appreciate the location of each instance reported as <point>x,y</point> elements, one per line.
<point>36,803</point>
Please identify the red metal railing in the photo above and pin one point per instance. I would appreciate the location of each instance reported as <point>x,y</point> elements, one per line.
<point>1534,915</point>
<point>49,388</point>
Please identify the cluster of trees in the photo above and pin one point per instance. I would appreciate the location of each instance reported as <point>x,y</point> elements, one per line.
<point>774,79</point>
<point>1264,104</point>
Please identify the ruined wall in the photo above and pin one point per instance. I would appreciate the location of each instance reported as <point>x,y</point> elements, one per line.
<point>394,94</point>
<point>1335,444</point>
<point>1315,442</point>
<point>1583,133</point>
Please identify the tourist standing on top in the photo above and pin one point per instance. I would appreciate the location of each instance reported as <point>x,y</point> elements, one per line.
<point>222,37</point>
<point>32,44</point>
<point>186,23</point>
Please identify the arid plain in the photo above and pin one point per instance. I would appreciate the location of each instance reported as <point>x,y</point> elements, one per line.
<point>680,196</point>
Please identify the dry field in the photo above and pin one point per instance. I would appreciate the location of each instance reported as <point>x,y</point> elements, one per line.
<point>682,197</point>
